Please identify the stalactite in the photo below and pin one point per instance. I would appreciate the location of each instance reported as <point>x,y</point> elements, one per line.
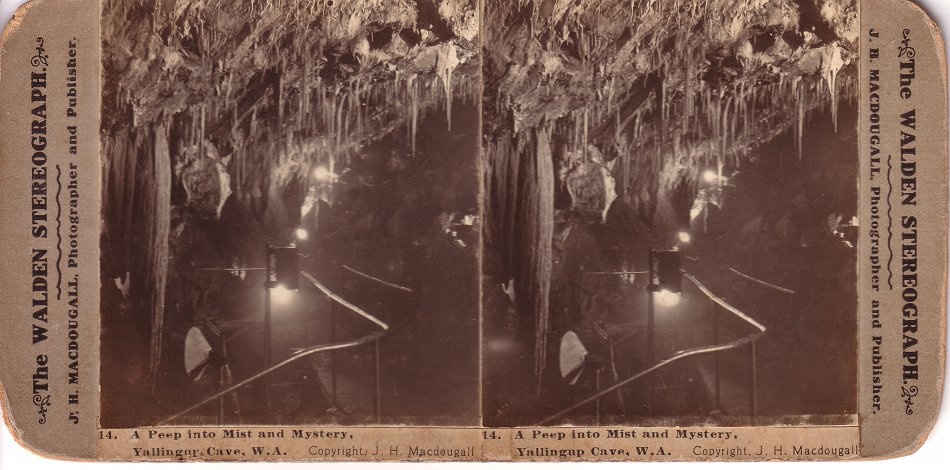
<point>412,87</point>
<point>201,134</point>
<point>446,63</point>
<point>360,97</point>
<point>831,64</point>
<point>304,94</point>
<point>799,116</point>
<point>346,113</point>
<point>337,125</point>
<point>688,93</point>
<point>733,116</point>
<point>586,133</point>
<point>541,239</point>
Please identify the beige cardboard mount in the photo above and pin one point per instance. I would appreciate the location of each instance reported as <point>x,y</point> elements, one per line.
<point>50,162</point>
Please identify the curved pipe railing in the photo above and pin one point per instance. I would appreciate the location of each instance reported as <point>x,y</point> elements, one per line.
<point>372,338</point>
<point>749,339</point>
<point>375,279</point>
<point>725,305</point>
<point>343,302</point>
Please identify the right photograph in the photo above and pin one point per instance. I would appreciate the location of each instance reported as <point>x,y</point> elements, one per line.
<point>670,208</point>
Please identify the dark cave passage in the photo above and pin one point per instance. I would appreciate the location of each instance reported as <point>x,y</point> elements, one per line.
<point>779,218</point>
<point>724,133</point>
<point>347,131</point>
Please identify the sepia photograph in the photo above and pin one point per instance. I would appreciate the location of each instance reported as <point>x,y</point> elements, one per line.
<point>670,212</point>
<point>568,231</point>
<point>290,212</point>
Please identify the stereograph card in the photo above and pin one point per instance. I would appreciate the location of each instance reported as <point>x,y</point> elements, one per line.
<point>472,230</point>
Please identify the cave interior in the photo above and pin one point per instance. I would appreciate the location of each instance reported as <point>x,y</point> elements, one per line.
<point>598,130</point>
<point>725,129</point>
<point>347,127</point>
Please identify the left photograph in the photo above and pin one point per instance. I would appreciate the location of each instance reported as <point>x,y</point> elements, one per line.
<point>290,214</point>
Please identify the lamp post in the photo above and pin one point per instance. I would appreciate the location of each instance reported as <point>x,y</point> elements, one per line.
<point>653,286</point>
<point>267,344</point>
<point>282,274</point>
<point>664,281</point>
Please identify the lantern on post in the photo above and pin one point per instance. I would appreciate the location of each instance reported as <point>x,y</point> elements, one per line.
<point>284,267</point>
<point>668,270</point>
<point>664,287</point>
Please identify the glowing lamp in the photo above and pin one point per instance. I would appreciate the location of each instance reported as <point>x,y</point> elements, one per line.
<point>665,298</point>
<point>321,173</point>
<point>281,295</point>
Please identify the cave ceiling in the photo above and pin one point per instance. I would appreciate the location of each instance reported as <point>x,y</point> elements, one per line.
<point>704,78</point>
<point>628,72</point>
<point>227,60</point>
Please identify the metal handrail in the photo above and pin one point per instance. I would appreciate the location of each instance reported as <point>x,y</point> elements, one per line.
<point>376,279</point>
<point>302,353</point>
<point>748,339</point>
<point>343,301</point>
<point>722,303</point>
<point>294,357</point>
